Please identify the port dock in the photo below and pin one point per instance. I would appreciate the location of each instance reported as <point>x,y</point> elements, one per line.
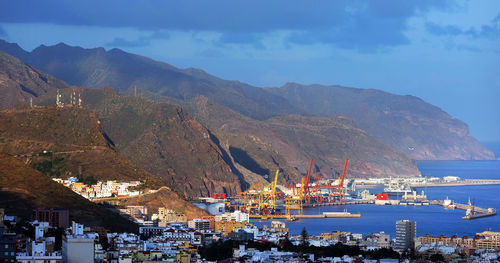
<point>466,182</point>
<point>476,212</point>
<point>350,202</point>
<point>330,215</point>
<point>317,216</point>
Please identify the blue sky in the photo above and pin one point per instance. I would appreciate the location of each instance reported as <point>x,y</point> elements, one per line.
<point>446,52</point>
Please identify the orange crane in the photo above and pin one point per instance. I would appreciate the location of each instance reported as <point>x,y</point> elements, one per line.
<point>336,192</point>
<point>306,193</point>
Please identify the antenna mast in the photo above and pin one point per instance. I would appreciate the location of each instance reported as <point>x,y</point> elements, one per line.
<point>58,99</point>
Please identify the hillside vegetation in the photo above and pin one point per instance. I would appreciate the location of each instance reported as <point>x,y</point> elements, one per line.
<point>23,188</point>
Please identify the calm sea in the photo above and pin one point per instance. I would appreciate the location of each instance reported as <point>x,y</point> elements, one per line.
<point>433,220</point>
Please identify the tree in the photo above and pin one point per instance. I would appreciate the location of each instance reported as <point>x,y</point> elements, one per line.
<point>437,258</point>
<point>304,237</point>
<point>90,180</point>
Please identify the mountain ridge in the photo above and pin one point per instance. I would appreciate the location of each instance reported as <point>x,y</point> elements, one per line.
<point>422,137</point>
<point>405,122</point>
<point>98,68</point>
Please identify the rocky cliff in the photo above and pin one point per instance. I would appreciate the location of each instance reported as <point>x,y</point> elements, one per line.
<point>407,123</point>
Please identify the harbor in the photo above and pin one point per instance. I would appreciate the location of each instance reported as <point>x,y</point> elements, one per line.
<point>273,201</point>
<point>434,218</point>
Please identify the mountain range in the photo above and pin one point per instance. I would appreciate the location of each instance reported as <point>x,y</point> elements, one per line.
<point>191,134</point>
<point>406,123</point>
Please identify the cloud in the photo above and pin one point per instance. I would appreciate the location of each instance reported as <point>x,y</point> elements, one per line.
<point>489,31</point>
<point>121,42</point>
<point>211,53</point>
<point>140,41</point>
<point>254,39</point>
<point>364,35</point>
<point>352,24</point>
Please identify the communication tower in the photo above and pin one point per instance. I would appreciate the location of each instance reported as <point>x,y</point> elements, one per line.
<point>58,99</point>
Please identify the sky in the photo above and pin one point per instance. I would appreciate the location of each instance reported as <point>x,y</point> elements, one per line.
<point>445,52</point>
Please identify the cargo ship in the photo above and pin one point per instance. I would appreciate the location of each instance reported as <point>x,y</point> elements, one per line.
<point>397,189</point>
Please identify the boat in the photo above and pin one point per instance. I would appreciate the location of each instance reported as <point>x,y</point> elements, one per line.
<point>447,203</point>
<point>397,189</point>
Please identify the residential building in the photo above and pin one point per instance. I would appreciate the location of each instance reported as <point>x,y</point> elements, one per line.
<point>378,240</point>
<point>199,224</point>
<point>226,227</point>
<point>177,235</point>
<point>41,249</point>
<point>166,216</point>
<point>151,231</point>
<point>54,257</point>
<point>236,216</point>
<point>7,246</point>
<point>464,241</point>
<point>406,231</point>
<point>488,240</point>
<point>240,235</point>
<point>57,217</point>
<point>78,247</point>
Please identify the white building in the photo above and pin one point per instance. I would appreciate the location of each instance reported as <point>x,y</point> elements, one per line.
<point>78,247</point>
<point>199,224</point>
<point>236,216</point>
<point>36,250</point>
<point>406,231</point>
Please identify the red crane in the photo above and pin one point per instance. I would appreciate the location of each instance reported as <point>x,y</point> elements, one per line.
<point>305,186</point>
<point>337,191</point>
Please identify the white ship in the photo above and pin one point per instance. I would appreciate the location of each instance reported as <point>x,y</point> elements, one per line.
<point>396,189</point>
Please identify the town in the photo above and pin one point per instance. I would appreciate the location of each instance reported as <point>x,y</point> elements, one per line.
<point>100,189</point>
<point>49,237</point>
<point>166,235</point>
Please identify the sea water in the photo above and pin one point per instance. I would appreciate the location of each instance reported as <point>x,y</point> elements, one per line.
<point>434,220</point>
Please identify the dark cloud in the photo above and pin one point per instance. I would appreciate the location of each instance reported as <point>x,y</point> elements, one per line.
<point>347,23</point>
<point>138,42</point>
<point>120,42</point>
<point>222,15</point>
<point>211,53</point>
<point>363,34</point>
<point>253,39</point>
<point>490,31</point>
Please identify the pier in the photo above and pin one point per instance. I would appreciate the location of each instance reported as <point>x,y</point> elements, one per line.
<point>316,216</point>
<point>467,182</point>
<point>352,202</point>
<point>477,212</point>
<point>330,215</point>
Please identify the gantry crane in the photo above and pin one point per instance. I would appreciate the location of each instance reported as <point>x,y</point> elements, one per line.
<point>259,199</point>
<point>336,190</point>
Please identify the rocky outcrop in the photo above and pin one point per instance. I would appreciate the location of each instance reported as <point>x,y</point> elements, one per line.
<point>20,82</point>
<point>407,123</point>
<point>297,139</point>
